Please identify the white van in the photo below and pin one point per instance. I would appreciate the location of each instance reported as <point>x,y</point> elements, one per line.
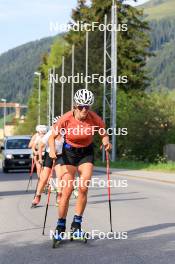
<point>16,154</point>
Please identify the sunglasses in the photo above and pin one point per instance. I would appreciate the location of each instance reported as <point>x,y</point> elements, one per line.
<point>80,107</point>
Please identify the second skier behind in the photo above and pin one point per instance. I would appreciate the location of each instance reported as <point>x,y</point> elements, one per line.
<point>48,164</point>
<point>41,130</point>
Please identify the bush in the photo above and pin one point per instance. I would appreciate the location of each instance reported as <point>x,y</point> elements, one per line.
<point>150,121</point>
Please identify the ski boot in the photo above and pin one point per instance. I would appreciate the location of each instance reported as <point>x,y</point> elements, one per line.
<point>36,201</point>
<point>76,232</point>
<point>59,233</point>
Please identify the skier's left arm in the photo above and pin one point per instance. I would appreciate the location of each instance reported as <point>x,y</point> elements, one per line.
<point>105,138</point>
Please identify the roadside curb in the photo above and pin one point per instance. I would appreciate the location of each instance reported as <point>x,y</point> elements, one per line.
<point>145,178</point>
<point>118,173</point>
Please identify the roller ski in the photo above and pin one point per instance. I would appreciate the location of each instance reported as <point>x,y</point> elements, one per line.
<point>76,232</point>
<point>59,233</point>
<point>36,201</point>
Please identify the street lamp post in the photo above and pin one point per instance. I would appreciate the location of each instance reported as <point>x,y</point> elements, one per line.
<point>39,95</point>
<point>4,100</point>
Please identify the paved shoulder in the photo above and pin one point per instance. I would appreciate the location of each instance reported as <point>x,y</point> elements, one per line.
<point>144,175</point>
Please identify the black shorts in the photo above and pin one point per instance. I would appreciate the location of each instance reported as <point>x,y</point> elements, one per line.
<point>48,162</point>
<point>77,156</point>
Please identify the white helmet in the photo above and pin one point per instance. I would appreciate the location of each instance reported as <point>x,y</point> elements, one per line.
<point>41,129</point>
<point>84,97</point>
<point>55,119</point>
<point>37,127</point>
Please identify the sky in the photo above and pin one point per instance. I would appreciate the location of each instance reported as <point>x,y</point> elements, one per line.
<point>22,21</point>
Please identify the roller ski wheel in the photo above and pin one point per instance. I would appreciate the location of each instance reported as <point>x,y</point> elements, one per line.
<point>36,201</point>
<point>77,234</point>
<point>55,242</point>
<point>58,236</point>
<point>82,237</point>
<point>33,206</point>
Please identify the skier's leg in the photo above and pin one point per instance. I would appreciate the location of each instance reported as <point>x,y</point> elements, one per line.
<point>38,167</point>
<point>85,170</point>
<point>67,188</point>
<point>41,184</point>
<point>45,173</point>
<point>43,179</point>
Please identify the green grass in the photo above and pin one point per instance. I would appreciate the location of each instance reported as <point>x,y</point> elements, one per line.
<point>138,165</point>
<point>159,11</point>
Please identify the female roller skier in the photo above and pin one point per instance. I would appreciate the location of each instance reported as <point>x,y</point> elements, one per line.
<point>78,154</point>
<point>41,130</point>
<point>48,163</point>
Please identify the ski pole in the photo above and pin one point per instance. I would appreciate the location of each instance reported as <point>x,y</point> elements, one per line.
<point>30,175</point>
<point>48,198</point>
<point>109,190</point>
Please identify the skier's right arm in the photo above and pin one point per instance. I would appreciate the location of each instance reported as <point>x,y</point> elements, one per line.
<point>52,137</point>
<point>56,131</point>
<point>34,148</point>
<point>32,141</point>
<point>40,151</point>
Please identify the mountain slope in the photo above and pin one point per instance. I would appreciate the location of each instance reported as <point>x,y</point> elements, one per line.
<point>17,67</point>
<point>161,15</point>
<point>158,9</point>
<point>162,67</point>
<point>152,3</point>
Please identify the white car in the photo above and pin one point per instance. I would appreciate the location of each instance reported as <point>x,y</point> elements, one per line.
<point>16,154</point>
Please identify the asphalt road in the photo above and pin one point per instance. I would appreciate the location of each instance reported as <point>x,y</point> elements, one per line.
<point>143,209</point>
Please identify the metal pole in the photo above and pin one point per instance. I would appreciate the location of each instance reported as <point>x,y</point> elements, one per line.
<point>104,86</point>
<point>114,78</point>
<point>5,107</point>
<point>53,94</point>
<point>39,95</point>
<point>5,110</point>
<point>73,68</point>
<point>87,57</point>
<point>49,99</point>
<point>62,88</point>
<point>39,99</point>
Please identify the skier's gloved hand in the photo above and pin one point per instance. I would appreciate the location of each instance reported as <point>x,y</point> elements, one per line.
<point>107,146</point>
